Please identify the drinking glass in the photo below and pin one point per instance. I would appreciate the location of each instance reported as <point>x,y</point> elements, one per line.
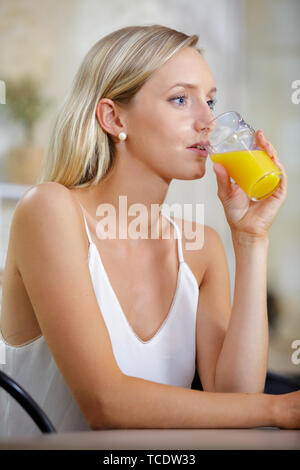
<point>232,143</point>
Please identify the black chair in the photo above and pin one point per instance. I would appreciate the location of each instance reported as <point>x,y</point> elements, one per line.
<point>275,383</point>
<point>279,383</point>
<point>27,402</point>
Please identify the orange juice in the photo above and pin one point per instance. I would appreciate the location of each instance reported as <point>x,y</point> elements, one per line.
<point>252,170</point>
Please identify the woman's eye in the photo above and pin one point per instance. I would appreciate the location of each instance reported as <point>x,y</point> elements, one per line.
<point>211,104</point>
<point>182,99</point>
<point>179,99</point>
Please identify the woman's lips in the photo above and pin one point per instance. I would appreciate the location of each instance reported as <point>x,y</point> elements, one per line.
<point>201,153</point>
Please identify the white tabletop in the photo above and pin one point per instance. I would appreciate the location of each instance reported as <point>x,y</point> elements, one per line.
<point>209,439</point>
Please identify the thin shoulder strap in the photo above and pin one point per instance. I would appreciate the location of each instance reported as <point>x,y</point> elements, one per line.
<point>86,225</point>
<point>179,238</point>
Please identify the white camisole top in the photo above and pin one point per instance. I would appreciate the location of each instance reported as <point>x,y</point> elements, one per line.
<point>169,357</point>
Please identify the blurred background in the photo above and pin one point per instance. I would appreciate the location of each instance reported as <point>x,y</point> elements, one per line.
<point>253,49</point>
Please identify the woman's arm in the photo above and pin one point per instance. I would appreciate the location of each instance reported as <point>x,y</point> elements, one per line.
<point>232,341</point>
<point>242,364</point>
<point>139,403</point>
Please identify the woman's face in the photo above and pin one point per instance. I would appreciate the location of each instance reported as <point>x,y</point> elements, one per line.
<point>170,114</point>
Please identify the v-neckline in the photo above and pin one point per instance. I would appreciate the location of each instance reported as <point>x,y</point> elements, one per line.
<point>161,327</point>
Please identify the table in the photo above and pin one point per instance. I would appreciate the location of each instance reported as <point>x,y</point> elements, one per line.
<point>192,439</point>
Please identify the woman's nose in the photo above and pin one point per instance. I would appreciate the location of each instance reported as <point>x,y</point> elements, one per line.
<point>204,122</point>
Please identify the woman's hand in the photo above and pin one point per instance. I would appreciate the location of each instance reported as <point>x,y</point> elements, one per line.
<point>253,218</point>
<point>286,411</point>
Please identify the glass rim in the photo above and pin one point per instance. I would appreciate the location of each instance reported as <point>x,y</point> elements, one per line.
<point>235,122</point>
<point>224,114</point>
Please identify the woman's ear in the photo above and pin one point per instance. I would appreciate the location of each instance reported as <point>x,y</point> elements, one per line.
<point>109,118</point>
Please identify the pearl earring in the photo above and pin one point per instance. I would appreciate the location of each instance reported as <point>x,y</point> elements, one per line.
<point>122,136</point>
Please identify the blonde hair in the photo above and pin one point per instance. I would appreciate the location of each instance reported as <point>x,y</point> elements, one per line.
<point>80,152</point>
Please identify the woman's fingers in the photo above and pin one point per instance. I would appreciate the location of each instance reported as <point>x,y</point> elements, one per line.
<point>265,144</point>
<point>271,151</point>
<point>223,181</point>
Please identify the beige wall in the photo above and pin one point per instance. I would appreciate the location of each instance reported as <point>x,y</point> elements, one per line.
<point>272,49</point>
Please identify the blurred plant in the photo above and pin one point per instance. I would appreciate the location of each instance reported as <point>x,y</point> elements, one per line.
<point>25,103</point>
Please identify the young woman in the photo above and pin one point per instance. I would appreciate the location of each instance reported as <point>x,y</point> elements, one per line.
<point>107,333</point>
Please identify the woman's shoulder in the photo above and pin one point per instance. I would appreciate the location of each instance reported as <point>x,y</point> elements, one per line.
<point>45,199</point>
<point>200,243</point>
<point>40,193</point>
<point>208,236</point>
<point>43,209</point>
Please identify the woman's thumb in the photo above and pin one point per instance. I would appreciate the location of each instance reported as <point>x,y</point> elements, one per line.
<point>223,179</point>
